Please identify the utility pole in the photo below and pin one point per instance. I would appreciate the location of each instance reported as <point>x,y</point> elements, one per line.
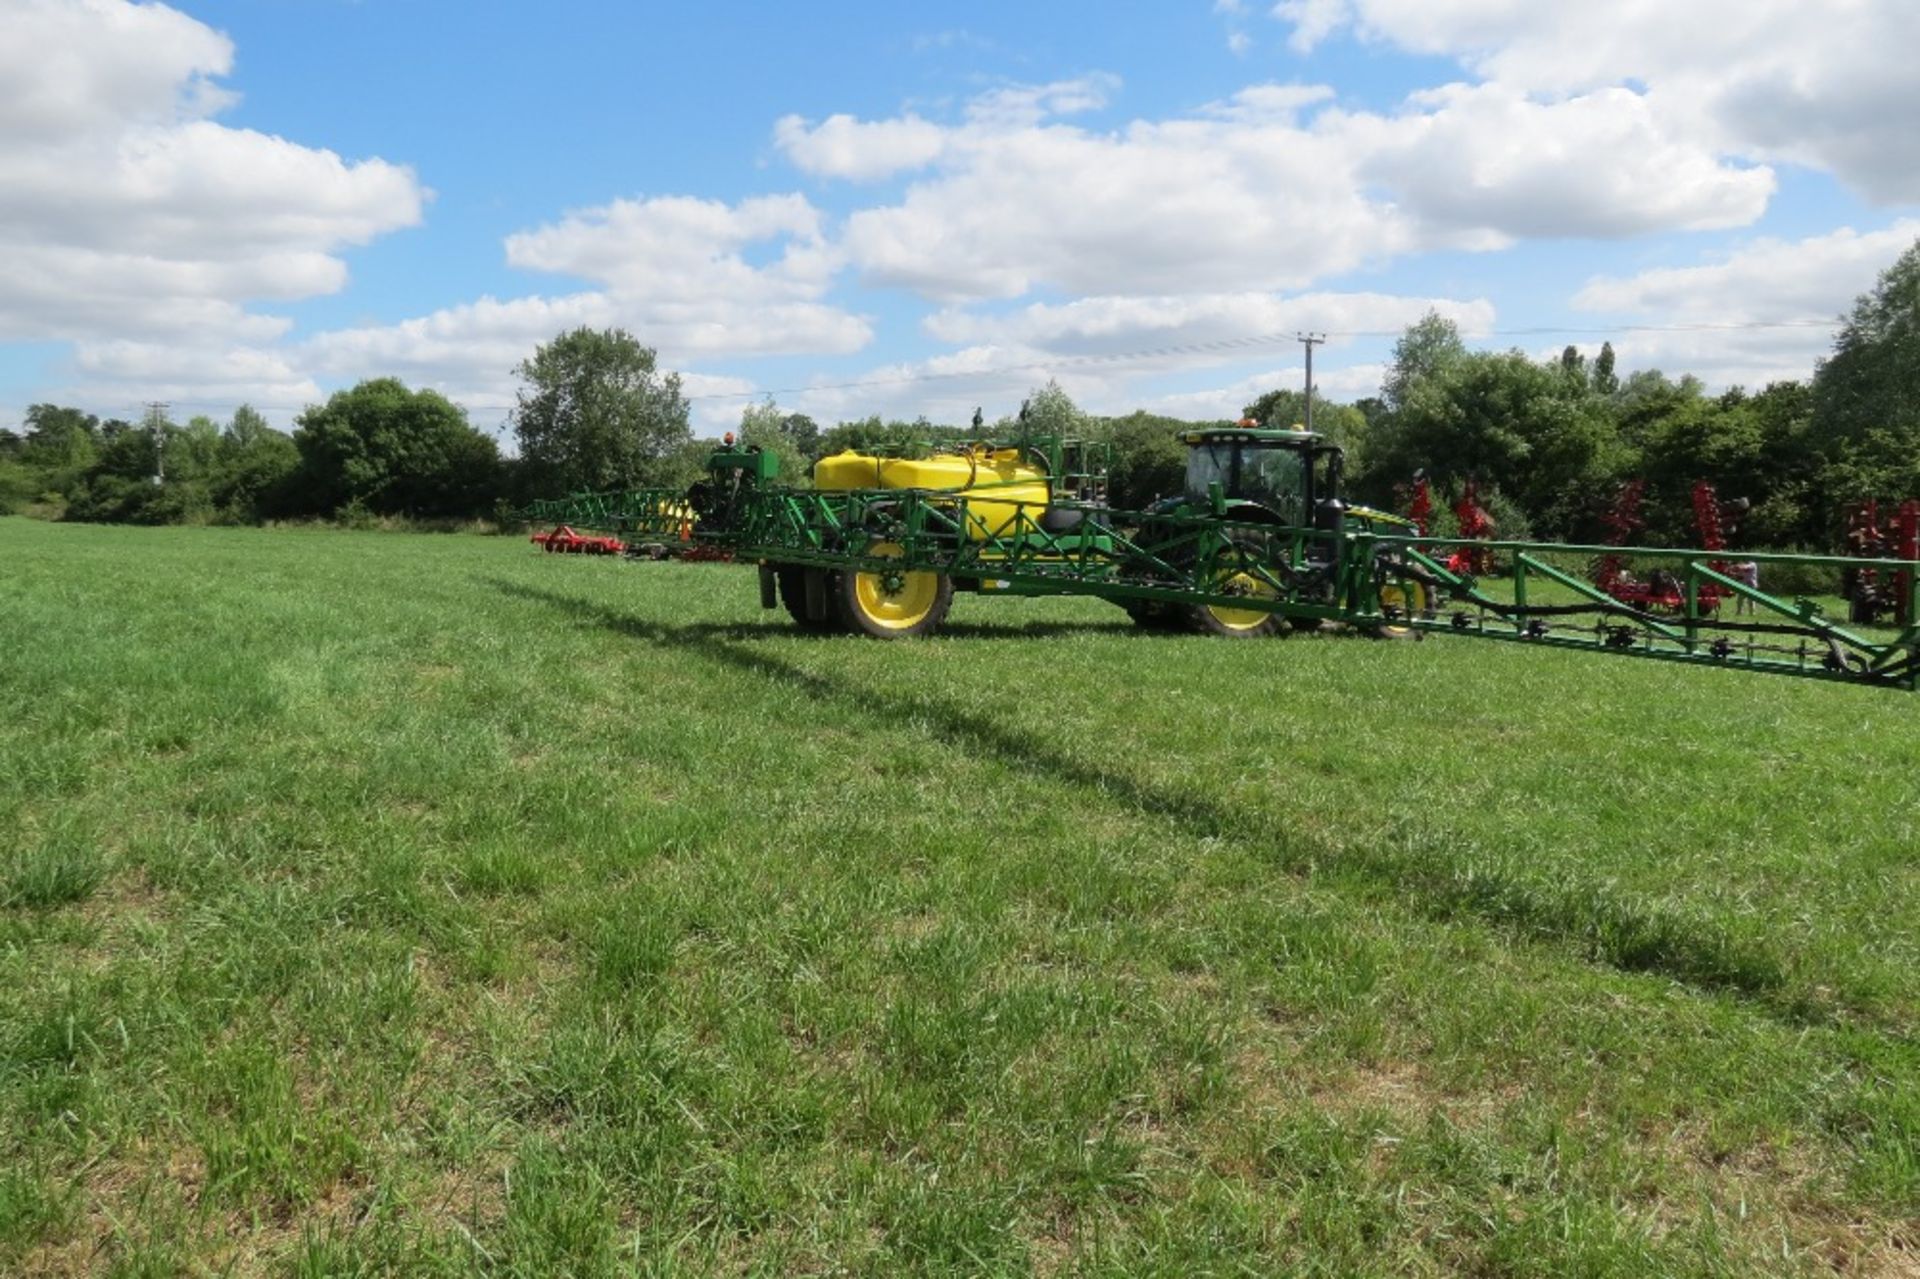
<point>157,423</point>
<point>1310,340</point>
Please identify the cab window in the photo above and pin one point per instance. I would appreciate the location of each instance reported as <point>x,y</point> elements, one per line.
<point>1276,478</point>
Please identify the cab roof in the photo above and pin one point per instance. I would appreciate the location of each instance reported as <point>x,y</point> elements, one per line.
<point>1249,435</point>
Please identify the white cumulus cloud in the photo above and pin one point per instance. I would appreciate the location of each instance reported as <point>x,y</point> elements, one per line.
<point>676,244</point>
<point>193,375</point>
<point>1828,85</point>
<point>671,270</point>
<point>133,222</point>
<point>862,150</point>
<point>1764,279</point>
<point>1124,325</point>
<point>1489,161</point>
<point>73,67</point>
<point>1275,188</point>
<point>1764,312</point>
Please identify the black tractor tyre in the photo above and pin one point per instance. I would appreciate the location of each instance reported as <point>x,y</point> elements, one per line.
<point>1157,616</point>
<point>792,579</point>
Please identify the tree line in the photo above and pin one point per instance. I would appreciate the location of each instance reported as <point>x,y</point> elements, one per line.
<point>1546,442</point>
<point>377,449</point>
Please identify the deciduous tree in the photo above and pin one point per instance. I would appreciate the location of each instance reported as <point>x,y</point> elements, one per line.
<point>1867,392</point>
<point>256,463</point>
<point>764,426</point>
<point>594,412</point>
<point>394,452</point>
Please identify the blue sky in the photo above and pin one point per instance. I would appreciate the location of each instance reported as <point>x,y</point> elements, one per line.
<point>941,205</point>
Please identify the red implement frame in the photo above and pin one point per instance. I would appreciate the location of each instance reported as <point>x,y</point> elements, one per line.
<point>564,541</point>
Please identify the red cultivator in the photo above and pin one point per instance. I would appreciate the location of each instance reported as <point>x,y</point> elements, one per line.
<point>1661,591</point>
<point>1868,595</point>
<point>564,541</point>
<point>1475,526</point>
<point>1420,510</point>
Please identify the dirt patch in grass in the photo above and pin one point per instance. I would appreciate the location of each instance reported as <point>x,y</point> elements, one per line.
<point>124,1199</point>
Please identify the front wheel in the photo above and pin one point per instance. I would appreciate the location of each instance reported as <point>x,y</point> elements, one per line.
<point>1401,601</point>
<point>1249,551</point>
<point>1237,623</point>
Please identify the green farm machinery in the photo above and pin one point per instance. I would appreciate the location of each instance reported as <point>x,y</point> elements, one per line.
<point>1259,541</point>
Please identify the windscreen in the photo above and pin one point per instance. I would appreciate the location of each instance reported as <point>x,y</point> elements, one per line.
<point>1276,478</point>
<point>1208,463</point>
<point>1273,476</point>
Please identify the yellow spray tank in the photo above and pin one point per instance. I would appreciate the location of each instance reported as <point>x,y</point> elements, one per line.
<point>1004,482</point>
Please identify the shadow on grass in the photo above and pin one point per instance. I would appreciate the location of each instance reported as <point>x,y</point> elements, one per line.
<point>1424,875</point>
<point>785,630</point>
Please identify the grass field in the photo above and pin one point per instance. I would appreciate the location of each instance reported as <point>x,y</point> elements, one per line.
<point>405,904</point>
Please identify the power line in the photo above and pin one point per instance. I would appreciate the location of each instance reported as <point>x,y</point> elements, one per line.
<point>1213,347</point>
<point>1228,344</point>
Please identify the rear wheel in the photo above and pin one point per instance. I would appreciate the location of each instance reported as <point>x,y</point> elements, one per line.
<point>895,603</point>
<point>793,594</point>
<point>1154,615</point>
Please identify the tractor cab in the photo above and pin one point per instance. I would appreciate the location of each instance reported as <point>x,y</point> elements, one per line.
<point>1284,474</point>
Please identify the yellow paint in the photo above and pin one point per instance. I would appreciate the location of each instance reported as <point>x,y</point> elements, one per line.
<point>1242,619</point>
<point>1012,488</point>
<point>1408,598</point>
<point>904,606</point>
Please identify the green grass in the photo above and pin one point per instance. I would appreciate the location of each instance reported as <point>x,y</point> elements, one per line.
<point>375,903</point>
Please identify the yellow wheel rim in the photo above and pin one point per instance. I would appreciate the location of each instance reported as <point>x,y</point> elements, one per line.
<point>1404,599</point>
<point>1242,619</point>
<point>895,601</point>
